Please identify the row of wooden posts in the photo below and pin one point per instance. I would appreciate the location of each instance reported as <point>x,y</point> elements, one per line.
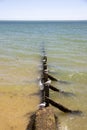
<point>45,83</point>
<point>44,118</point>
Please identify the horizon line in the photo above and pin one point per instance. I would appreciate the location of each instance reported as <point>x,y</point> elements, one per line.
<point>41,20</point>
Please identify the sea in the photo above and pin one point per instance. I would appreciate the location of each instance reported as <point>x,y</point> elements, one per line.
<point>65,44</point>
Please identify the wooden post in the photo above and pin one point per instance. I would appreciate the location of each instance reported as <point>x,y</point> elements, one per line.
<point>46,88</point>
<point>42,92</point>
<point>45,77</point>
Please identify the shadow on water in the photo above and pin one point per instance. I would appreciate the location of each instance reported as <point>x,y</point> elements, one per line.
<point>57,80</point>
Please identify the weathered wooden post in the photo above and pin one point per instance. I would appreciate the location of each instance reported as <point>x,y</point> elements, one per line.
<point>44,118</point>
<point>46,88</point>
<point>45,77</point>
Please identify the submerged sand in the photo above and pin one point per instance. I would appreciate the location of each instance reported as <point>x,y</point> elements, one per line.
<point>16,104</point>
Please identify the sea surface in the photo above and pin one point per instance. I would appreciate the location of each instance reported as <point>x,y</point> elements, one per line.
<point>66,49</point>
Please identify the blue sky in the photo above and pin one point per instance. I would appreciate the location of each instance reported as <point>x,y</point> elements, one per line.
<point>43,9</point>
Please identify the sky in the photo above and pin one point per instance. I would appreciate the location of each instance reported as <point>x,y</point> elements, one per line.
<point>43,9</point>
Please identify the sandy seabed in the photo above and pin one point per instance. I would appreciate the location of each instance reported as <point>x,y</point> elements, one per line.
<point>16,105</point>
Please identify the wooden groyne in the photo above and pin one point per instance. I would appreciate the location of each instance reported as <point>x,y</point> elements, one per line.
<point>44,118</point>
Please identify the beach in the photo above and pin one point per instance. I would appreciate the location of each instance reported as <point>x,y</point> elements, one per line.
<point>20,64</point>
<point>16,105</point>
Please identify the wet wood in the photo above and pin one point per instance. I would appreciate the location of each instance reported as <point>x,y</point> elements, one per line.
<point>54,89</point>
<point>52,78</point>
<point>46,89</point>
<point>44,78</point>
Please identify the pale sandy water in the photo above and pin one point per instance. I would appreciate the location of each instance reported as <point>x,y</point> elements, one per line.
<point>66,47</point>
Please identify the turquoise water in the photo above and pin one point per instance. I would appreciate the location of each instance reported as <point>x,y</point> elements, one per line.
<point>66,48</point>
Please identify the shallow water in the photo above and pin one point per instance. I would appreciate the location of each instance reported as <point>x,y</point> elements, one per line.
<point>66,48</point>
